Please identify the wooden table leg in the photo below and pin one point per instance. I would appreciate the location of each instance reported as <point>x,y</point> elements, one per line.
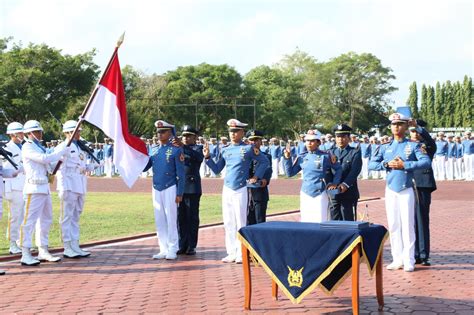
<point>247,277</point>
<point>355,279</point>
<point>379,282</point>
<point>274,290</point>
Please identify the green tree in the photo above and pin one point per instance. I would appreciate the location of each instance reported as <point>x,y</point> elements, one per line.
<point>438,117</point>
<point>281,110</point>
<point>39,82</point>
<point>212,90</point>
<point>424,103</point>
<point>457,116</point>
<point>449,106</point>
<point>413,100</point>
<point>353,88</point>
<point>467,99</point>
<point>430,106</point>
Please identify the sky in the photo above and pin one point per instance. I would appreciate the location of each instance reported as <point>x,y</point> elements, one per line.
<point>420,40</point>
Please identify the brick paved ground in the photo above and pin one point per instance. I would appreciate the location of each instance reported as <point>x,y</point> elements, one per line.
<point>124,278</point>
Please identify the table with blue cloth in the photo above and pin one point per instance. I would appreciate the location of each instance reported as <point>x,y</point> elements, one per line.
<point>301,256</point>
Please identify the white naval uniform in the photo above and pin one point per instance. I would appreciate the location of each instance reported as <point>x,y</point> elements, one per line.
<point>13,192</point>
<point>38,206</point>
<point>72,187</point>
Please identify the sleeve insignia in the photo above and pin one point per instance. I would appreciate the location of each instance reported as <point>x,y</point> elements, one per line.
<point>181,157</point>
<point>333,159</point>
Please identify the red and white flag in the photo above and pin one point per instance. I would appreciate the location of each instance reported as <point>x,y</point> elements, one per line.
<point>108,112</point>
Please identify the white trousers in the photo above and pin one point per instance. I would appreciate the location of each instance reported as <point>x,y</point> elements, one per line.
<point>440,162</point>
<point>281,168</point>
<point>449,166</point>
<point>234,215</point>
<point>15,215</point>
<point>38,211</point>
<point>365,168</point>
<point>166,219</point>
<point>458,169</point>
<point>203,169</point>
<point>469,166</point>
<point>72,205</point>
<point>401,225</point>
<point>109,167</point>
<point>275,168</point>
<point>314,209</point>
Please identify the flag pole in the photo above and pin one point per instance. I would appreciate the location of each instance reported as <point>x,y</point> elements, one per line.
<point>91,98</point>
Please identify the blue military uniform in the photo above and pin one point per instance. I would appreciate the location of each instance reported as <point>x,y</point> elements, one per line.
<point>441,156</point>
<point>425,184</point>
<point>275,152</point>
<point>188,210</point>
<point>237,158</point>
<point>258,196</point>
<point>343,206</point>
<point>399,194</point>
<point>317,166</point>
<point>168,182</point>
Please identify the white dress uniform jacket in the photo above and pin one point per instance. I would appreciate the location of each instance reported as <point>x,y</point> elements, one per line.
<point>37,163</point>
<point>71,174</point>
<point>16,183</point>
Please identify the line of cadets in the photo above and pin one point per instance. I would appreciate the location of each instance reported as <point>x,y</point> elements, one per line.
<point>329,172</point>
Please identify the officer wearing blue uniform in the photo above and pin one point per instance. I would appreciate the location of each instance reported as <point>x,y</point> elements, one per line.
<point>459,153</point>
<point>425,184</point>
<point>468,152</point>
<point>168,188</point>
<point>264,147</point>
<point>365,151</point>
<point>275,152</point>
<point>400,158</point>
<point>316,166</point>
<point>343,205</point>
<point>258,192</point>
<point>301,148</point>
<point>441,156</point>
<point>188,210</point>
<point>237,158</point>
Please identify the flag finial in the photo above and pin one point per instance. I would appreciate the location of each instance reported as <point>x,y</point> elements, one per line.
<point>120,40</point>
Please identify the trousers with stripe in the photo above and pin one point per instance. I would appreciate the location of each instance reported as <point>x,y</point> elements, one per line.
<point>15,216</point>
<point>39,211</point>
<point>72,205</point>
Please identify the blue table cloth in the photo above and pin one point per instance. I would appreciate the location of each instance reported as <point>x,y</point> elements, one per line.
<point>300,256</point>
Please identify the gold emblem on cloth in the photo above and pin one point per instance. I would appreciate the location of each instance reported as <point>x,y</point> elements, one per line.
<point>295,277</point>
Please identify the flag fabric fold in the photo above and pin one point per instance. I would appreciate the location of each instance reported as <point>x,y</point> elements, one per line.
<point>108,112</point>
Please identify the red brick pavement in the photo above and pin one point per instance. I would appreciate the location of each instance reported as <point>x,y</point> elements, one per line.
<point>123,277</point>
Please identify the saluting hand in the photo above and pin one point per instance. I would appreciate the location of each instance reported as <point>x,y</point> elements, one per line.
<point>286,154</point>
<point>205,150</point>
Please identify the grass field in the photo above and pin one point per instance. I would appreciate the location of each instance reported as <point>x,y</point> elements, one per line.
<point>112,215</point>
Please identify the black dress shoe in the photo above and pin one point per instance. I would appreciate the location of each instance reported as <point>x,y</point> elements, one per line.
<point>2,272</point>
<point>191,251</point>
<point>181,252</point>
<point>418,261</point>
<point>426,262</point>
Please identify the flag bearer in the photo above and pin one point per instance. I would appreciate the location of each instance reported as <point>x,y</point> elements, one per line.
<point>72,187</point>
<point>38,206</point>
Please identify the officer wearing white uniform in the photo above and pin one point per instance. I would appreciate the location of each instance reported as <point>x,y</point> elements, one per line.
<point>237,158</point>
<point>317,166</point>
<point>7,173</point>
<point>468,156</point>
<point>168,188</point>
<point>72,187</point>
<point>400,158</point>
<point>14,187</point>
<point>38,206</point>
